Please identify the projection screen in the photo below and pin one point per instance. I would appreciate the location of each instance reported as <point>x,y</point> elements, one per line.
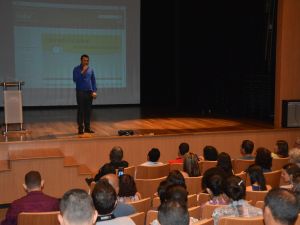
<point>42,41</point>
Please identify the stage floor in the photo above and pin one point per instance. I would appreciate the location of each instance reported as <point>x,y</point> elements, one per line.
<point>60,123</point>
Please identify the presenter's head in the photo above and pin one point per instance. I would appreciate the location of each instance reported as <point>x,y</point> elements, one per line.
<point>84,60</point>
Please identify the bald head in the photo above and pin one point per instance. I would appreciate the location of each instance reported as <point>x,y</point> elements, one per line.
<point>113,180</point>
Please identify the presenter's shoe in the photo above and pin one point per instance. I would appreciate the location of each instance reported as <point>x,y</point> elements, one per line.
<point>90,131</point>
<point>80,132</point>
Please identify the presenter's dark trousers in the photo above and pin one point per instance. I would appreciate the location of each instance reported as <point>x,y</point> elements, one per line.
<point>84,102</point>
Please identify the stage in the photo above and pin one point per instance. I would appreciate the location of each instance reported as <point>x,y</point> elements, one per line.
<point>60,123</point>
<point>51,144</point>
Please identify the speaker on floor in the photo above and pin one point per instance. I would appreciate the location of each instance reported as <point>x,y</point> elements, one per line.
<point>125,132</point>
<point>290,113</point>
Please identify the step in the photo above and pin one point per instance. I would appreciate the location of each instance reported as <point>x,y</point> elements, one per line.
<point>84,170</point>
<point>70,161</point>
<point>4,165</point>
<point>35,154</point>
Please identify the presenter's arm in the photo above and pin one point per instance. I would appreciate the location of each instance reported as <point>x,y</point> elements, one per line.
<point>74,75</point>
<point>93,79</point>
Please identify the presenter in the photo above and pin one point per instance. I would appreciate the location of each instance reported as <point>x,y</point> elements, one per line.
<point>84,77</point>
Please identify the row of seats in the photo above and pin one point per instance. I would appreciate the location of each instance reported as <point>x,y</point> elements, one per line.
<point>146,172</point>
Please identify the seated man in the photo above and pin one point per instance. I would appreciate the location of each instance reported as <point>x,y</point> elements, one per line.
<point>76,207</point>
<point>34,201</point>
<point>183,148</point>
<point>246,150</point>
<point>116,161</point>
<point>105,199</point>
<point>281,207</point>
<point>121,209</point>
<point>153,157</point>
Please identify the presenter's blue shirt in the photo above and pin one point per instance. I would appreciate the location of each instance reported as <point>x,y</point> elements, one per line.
<point>86,81</point>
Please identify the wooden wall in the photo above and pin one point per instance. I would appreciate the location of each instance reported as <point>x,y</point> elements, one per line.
<point>287,55</point>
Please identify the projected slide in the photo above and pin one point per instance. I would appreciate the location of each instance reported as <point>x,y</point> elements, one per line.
<point>45,54</point>
<point>41,42</point>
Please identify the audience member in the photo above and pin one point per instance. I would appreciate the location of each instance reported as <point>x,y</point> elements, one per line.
<point>257,179</point>
<point>281,207</point>
<point>208,174</point>
<point>34,201</point>
<point>175,177</point>
<point>121,209</point>
<point>116,161</point>
<point>176,193</point>
<point>215,188</point>
<point>247,149</point>
<point>190,165</point>
<point>107,168</point>
<point>183,149</point>
<point>281,149</point>
<point>127,191</point>
<point>152,158</point>
<point>105,200</point>
<point>295,156</point>
<point>263,159</point>
<point>297,143</point>
<point>287,174</point>
<point>224,163</point>
<point>210,153</point>
<point>77,208</point>
<point>236,190</point>
<point>296,184</point>
<point>173,213</point>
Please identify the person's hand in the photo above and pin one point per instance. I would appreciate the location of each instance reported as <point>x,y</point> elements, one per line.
<point>94,94</point>
<point>84,69</point>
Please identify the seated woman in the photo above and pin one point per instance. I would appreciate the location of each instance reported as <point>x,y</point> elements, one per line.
<point>215,188</point>
<point>236,191</point>
<point>128,191</point>
<point>281,150</point>
<point>190,165</point>
<point>224,163</point>
<point>210,153</point>
<point>257,179</point>
<point>208,174</point>
<point>288,170</point>
<point>263,159</point>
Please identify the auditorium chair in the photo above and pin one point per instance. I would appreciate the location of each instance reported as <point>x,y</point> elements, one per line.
<point>205,165</point>
<point>241,220</point>
<point>130,170</point>
<point>193,184</point>
<point>195,212</point>
<point>152,172</point>
<point>38,218</point>
<point>176,166</point>
<point>203,198</point>
<point>260,204</point>
<point>142,205</point>
<point>255,196</point>
<point>240,165</point>
<point>151,215</point>
<point>278,163</point>
<point>273,178</point>
<point>208,209</point>
<point>148,187</point>
<point>204,222</point>
<point>192,201</point>
<point>138,218</point>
